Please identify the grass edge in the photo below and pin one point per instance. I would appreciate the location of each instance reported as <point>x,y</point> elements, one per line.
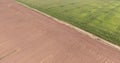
<point>93,36</point>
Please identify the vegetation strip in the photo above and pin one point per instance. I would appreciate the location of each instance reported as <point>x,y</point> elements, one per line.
<point>97,17</point>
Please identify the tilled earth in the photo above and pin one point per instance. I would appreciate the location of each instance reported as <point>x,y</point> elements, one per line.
<point>30,37</point>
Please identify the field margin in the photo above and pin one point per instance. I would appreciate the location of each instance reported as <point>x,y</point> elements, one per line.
<point>73,27</point>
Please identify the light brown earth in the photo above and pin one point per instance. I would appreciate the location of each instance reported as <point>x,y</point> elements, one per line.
<point>30,37</point>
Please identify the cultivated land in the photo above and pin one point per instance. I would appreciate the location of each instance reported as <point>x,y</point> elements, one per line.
<point>100,17</point>
<point>30,37</point>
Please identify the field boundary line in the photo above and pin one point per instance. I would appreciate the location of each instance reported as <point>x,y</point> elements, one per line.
<point>105,42</point>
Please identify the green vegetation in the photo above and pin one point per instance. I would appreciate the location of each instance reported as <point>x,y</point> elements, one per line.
<point>100,17</point>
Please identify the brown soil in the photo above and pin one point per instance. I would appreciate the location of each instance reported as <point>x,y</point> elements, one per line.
<point>30,37</point>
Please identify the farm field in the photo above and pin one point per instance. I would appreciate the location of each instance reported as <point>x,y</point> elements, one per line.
<point>99,17</point>
<point>27,36</point>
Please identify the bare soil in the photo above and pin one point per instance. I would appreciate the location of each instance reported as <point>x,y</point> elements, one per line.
<point>30,37</point>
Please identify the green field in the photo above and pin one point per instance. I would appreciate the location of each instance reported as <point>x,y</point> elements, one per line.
<point>99,17</point>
